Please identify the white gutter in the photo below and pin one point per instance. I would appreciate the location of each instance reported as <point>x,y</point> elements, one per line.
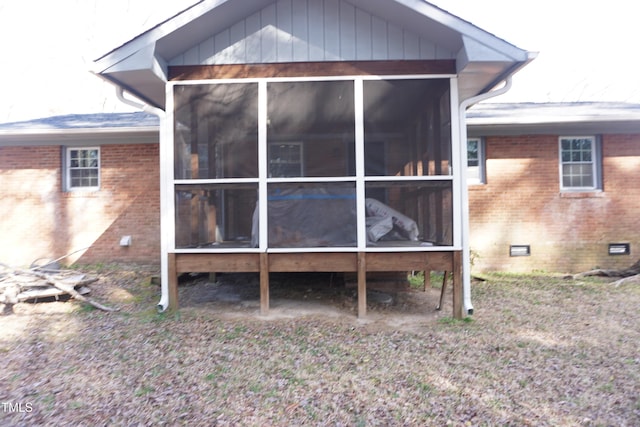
<point>466,252</point>
<point>144,107</point>
<point>163,304</point>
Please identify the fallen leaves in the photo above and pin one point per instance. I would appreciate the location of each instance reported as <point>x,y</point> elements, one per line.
<point>528,358</point>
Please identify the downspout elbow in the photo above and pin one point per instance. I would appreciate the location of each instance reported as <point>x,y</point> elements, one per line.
<point>482,97</point>
<point>163,304</point>
<point>141,106</point>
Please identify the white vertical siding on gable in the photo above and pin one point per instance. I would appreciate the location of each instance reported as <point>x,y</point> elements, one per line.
<point>192,55</point>
<point>300,31</point>
<point>284,42</point>
<point>363,36</point>
<point>428,49</point>
<point>221,44</point>
<point>253,39</point>
<point>316,26</point>
<point>237,43</point>
<point>396,42</point>
<point>347,30</point>
<point>206,48</point>
<point>332,30</point>
<point>268,34</point>
<point>379,37</point>
<point>411,46</point>
<point>311,30</point>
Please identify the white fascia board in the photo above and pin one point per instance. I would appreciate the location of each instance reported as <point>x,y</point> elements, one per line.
<point>142,60</point>
<point>142,74</point>
<point>44,137</point>
<point>557,128</point>
<point>476,51</point>
<point>552,119</point>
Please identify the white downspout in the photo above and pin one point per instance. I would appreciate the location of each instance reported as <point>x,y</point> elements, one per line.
<point>163,304</point>
<point>466,252</point>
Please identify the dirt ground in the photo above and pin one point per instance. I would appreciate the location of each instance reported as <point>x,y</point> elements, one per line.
<point>539,350</point>
<point>300,295</point>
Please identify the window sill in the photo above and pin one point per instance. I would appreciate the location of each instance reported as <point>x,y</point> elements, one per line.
<point>581,194</point>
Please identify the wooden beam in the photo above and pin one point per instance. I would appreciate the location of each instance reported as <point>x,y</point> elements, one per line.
<point>408,261</point>
<point>173,282</point>
<point>312,69</point>
<point>219,263</point>
<point>264,283</point>
<point>362,284</point>
<point>313,262</point>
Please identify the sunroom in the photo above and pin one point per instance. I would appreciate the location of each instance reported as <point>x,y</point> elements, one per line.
<point>333,145</point>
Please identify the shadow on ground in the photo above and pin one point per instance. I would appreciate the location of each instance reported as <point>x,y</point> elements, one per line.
<point>303,294</point>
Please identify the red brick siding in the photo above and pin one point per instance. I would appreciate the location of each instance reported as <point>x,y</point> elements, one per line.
<point>39,219</point>
<point>521,203</point>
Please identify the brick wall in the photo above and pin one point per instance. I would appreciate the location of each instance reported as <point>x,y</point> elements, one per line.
<point>38,219</point>
<point>521,203</point>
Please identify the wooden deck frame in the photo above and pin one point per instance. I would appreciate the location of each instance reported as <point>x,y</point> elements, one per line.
<point>358,262</point>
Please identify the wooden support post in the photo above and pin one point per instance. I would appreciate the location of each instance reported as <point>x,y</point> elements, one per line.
<point>362,285</point>
<point>457,285</point>
<point>173,282</point>
<point>426,284</point>
<point>442,290</point>
<point>264,284</point>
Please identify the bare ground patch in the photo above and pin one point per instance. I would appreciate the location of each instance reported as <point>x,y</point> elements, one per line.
<point>539,350</point>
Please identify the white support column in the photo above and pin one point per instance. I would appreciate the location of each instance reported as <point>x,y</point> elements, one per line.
<point>167,199</point>
<point>359,148</point>
<point>459,169</point>
<point>263,233</point>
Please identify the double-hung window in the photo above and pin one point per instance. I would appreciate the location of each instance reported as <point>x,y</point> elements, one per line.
<point>82,168</point>
<point>285,159</point>
<point>475,161</point>
<point>579,163</point>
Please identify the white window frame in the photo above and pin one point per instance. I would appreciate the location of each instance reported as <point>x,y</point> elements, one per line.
<point>68,168</point>
<point>595,163</point>
<point>476,176</point>
<point>300,161</point>
<point>360,180</point>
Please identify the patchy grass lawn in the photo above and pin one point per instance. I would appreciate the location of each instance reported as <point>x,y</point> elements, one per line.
<point>539,350</point>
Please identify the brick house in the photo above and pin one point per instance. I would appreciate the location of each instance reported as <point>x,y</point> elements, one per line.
<point>565,229</point>
<point>350,113</point>
<point>49,170</point>
<point>554,187</point>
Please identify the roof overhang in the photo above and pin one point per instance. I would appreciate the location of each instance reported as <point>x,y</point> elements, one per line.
<point>140,67</point>
<point>82,129</point>
<point>79,137</point>
<point>553,119</point>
